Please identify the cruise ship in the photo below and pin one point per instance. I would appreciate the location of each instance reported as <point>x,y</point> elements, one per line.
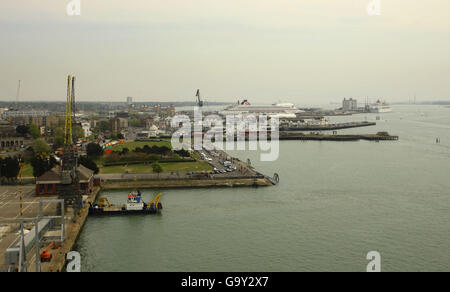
<point>280,110</point>
<point>380,107</point>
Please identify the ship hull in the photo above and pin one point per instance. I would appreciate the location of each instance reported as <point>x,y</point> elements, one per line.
<point>383,110</point>
<point>105,212</point>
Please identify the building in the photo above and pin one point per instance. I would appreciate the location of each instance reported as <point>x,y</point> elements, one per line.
<point>47,184</point>
<point>129,101</point>
<point>118,124</point>
<point>153,132</point>
<point>11,142</point>
<point>148,122</point>
<point>6,128</point>
<point>86,126</point>
<point>53,120</point>
<point>38,121</point>
<point>42,130</point>
<point>349,104</point>
<point>170,111</point>
<point>93,123</point>
<point>143,135</point>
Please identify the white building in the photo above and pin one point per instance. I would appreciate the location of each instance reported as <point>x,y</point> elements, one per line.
<point>87,129</point>
<point>153,132</point>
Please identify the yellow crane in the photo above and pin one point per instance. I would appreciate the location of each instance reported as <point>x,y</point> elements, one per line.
<point>155,202</point>
<point>104,202</point>
<point>68,122</point>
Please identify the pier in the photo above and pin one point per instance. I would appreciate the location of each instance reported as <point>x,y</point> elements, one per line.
<point>322,137</point>
<point>328,127</point>
<point>381,136</point>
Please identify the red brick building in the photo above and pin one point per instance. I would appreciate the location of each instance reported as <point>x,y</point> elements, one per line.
<point>47,183</point>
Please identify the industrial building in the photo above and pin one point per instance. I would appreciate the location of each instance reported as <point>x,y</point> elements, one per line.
<point>48,183</point>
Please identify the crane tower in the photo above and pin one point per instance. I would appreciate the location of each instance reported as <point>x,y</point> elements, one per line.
<point>69,188</point>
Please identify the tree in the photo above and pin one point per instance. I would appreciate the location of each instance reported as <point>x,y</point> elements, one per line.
<point>58,137</point>
<point>154,157</point>
<point>22,130</point>
<point>157,167</point>
<point>40,146</point>
<point>102,126</point>
<point>34,131</point>
<point>164,150</point>
<point>135,123</point>
<point>94,150</point>
<point>125,150</point>
<point>183,153</point>
<point>9,168</point>
<point>88,163</point>
<point>77,133</point>
<point>41,164</point>
<point>113,136</point>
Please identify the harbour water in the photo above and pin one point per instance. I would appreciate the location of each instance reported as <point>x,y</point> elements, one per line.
<point>336,201</point>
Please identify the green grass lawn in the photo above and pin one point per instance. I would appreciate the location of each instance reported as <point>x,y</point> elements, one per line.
<point>133,145</point>
<point>167,167</point>
<point>27,170</point>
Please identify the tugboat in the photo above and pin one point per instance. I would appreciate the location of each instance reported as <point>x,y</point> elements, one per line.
<point>134,205</point>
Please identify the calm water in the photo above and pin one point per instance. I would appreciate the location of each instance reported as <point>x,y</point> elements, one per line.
<point>336,201</point>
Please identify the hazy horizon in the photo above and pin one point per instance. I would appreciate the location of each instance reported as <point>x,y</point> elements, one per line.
<point>304,52</point>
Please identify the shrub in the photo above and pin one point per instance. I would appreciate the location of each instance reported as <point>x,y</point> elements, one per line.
<point>157,167</point>
<point>88,163</point>
<point>94,150</point>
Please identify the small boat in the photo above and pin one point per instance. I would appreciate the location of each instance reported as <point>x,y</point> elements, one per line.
<point>134,205</point>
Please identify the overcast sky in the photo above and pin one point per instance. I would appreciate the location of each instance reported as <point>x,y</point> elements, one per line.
<point>301,51</point>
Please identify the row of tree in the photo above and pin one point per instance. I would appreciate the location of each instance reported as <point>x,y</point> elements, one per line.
<point>9,169</point>
<point>31,129</point>
<point>58,135</point>
<point>163,150</point>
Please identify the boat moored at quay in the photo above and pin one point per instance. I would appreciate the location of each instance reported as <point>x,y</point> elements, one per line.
<point>134,205</point>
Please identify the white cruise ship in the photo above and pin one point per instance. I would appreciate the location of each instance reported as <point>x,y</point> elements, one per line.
<point>280,110</point>
<point>380,107</point>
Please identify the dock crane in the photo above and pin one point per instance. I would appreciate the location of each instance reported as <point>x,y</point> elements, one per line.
<point>69,189</point>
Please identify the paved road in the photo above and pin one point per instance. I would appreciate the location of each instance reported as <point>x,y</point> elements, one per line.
<point>218,157</point>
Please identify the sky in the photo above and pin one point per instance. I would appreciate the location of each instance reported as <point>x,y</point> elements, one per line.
<point>308,52</point>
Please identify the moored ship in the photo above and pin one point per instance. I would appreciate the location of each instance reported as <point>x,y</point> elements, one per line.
<point>280,110</point>
<point>134,205</point>
<point>380,107</point>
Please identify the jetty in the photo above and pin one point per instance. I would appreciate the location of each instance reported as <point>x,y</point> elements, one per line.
<point>381,136</point>
<point>327,127</point>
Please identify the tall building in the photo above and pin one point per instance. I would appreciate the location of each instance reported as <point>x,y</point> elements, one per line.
<point>349,104</point>
<point>118,124</point>
<point>129,101</point>
<point>53,120</point>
